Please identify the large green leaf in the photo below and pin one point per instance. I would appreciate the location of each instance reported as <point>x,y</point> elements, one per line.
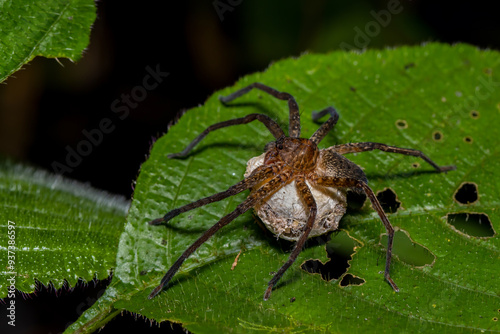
<point>61,230</point>
<point>30,28</point>
<point>419,97</point>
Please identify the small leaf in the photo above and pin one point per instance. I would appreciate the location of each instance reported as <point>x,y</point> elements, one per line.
<point>63,230</point>
<point>31,28</point>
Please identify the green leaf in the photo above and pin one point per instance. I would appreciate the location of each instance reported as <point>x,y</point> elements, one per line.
<point>31,28</point>
<point>63,230</point>
<point>401,97</point>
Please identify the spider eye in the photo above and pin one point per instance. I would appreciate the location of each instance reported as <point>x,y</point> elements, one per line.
<point>279,143</point>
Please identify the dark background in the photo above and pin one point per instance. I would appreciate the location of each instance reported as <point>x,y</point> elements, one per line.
<point>45,107</point>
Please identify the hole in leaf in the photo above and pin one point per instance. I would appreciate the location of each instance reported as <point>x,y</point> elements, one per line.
<point>349,279</point>
<point>474,114</point>
<point>468,140</point>
<point>388,200</point>
<point>472,224</point>
<point>409,251</point>
<point>339,251</point>
<point>415,165</point>
<point>437,136</point>
<point>401,124</point>
<point>467,193</point>
<point>355,200</point>
<point>409,65</point>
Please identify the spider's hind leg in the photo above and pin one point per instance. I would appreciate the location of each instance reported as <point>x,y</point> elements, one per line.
<point>353,182</point>
<point>369,146</point>
<point>254,198</point>
<point>390,231</point>
<point>306,194</point>
<point>258,175</point>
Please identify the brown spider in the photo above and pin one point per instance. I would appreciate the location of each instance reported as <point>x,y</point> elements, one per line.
<point>291,160</point>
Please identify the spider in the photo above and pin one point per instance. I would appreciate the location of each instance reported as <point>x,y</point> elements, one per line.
<point>297,161</point>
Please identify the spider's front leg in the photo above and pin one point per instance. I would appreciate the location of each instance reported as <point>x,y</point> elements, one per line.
<point>308,198</point>
<point>271,125</point>
<point>349,183</point>
<point>294,118</point>
<point>325,127</point>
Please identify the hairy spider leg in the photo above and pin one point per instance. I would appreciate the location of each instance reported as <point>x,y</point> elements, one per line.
<point>294,118</point>
<point>369,146</point>
<point>325,127</point>
<point>273,127</point>
<point>253,199</point>
<point>305,193</point>
<point>260,174</point>
<point>346,182</point>
<point>390,231</point>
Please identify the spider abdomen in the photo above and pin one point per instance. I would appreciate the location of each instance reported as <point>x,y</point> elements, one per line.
<point>285,214</point>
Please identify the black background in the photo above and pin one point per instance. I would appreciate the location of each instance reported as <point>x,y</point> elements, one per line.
<point>45,107</point>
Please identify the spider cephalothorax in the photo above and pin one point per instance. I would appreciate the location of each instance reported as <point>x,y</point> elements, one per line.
<point>297,190</point>
<point>299,155</point>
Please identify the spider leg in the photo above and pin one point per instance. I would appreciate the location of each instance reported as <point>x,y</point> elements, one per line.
<point>325,127</point>
<point>345,182</point>
<point>254,198</point>
<point>390,231</point>
<point>273,127</point>
<point>294,122</point>
<point>260,174</point>
<point>308,198</point>
<point>369,146</point>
